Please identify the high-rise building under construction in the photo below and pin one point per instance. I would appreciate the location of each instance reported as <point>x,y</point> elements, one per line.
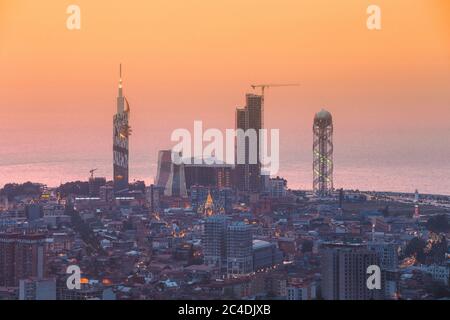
<point>248,174</point>
<point>323,153</point>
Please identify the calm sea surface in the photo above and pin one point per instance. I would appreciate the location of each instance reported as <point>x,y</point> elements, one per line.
<point>349,173</point>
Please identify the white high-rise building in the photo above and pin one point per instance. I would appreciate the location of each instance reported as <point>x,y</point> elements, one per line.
<point>214,241</point>
<point>37,289</point>
<point>239,249</point>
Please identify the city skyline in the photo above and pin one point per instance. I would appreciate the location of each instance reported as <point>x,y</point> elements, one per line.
<point>360,76</point>
<point>123,107</point>
<point>226,155</point>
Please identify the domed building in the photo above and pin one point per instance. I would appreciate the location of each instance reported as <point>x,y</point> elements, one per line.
<point>323,117</point>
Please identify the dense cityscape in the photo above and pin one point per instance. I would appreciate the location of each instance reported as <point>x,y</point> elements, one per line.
<point>220,231</point>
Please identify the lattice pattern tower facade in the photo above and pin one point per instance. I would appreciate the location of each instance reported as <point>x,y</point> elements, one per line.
<point>323,153</point>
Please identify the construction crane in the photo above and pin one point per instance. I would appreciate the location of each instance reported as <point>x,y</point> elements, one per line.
<point>92,172</point>
<point>263,87</point>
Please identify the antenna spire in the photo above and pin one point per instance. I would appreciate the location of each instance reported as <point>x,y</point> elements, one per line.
<point>120,76</point>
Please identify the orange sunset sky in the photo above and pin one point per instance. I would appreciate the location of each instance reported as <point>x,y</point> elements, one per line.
<point>195,60</point>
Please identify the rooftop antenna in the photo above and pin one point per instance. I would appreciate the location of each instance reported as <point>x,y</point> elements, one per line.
<point>373,231</point>
<point>120,76</point>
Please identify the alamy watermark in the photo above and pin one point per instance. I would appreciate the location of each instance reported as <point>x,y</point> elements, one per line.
<point>74,280</point>
<point>237,146</point>
<point>374,20</point>
<point>73,22</point>
<point>374,279</point>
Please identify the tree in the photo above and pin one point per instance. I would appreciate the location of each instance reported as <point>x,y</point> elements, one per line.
<point>416,247</point>
<point>77,188</point>
<point>307,246</point>
<point>137,186</point>
<point>12,190</point>
<point>438,224</point>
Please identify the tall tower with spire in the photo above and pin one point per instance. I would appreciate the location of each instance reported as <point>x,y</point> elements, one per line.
<point>121,133</point>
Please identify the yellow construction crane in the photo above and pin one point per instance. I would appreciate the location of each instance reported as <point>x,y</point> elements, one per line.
<point>263,87</point>
<point>92,172</point>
